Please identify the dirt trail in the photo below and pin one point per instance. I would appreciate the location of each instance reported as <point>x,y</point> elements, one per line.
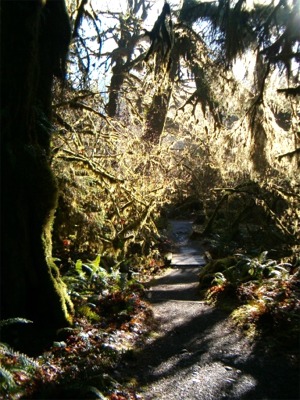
<point>196,352</point>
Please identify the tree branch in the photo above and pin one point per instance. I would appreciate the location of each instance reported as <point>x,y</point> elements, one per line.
<point>289,154</point>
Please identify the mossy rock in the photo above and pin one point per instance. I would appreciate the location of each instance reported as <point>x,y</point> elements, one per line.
<point>206,275</point>
<point>237,274</point>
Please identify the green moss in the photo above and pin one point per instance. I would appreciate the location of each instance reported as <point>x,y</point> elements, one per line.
<point>206,275</point>
<point>241,318</point>
<point>85,311</point>
<point>61,289</point>
<point>59,286</point>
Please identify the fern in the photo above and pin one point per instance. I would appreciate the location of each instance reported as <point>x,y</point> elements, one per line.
<point>96,263</point>
<point>78,269</point>
<point>219,278</point>
<point>27,362</point>
<point>13,361</point>
<point>11,321</point>
<point>5,349</point>
<point>7,382</point>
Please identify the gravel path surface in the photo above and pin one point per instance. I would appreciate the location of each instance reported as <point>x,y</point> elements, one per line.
<point>196,352</point>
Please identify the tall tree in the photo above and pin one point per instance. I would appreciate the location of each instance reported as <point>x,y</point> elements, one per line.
<point>122,58</point>
<point>34,43</point>
<point>176,43</point>
<point>231,29</point>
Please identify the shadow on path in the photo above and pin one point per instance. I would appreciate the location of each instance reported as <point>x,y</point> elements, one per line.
<point>197,353</point>
<point>204,357</point>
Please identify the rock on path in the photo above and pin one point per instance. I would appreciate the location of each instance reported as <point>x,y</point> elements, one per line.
<point>196,352</point>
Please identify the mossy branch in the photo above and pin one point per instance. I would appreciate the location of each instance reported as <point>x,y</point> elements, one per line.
<point>289,153</point>
<point>140,222</point>
<point>209,224</point>
<point>95,168</point>
<point>242,188</point>
<point>275,218</point>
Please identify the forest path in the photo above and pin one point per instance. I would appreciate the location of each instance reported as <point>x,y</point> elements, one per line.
<point>196,352</point>
<point>180,282</point>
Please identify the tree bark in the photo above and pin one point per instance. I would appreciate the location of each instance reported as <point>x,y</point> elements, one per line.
<point>119,72</point>
<point>122,56</point>
<point>35,38</point>
<point>157,115</point>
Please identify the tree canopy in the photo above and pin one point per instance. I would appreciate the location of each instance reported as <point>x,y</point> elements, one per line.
<point>117,117</point>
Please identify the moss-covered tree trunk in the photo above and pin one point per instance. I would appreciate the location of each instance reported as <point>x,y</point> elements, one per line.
<point>34,41</point>
<point>123,55</point>
<point>157,115</point>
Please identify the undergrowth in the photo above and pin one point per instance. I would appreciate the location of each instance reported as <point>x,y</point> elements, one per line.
<point>110,318</point>
<point>262,294</point>
<point>113,189</point>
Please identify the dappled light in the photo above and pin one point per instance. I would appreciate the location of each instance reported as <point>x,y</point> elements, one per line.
<point>150,211</point>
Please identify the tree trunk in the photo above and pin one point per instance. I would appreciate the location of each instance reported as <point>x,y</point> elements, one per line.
<point>35,38</point>
<point>123,55</point>
<point>116,83</point>
<point>157,115</point>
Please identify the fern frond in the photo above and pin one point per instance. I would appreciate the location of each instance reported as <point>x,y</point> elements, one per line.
<point>7,381</point>
<point>11,321</point>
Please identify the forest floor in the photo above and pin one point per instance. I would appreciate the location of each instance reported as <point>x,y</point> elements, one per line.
<point>157,340</point>
<point>195,350</point>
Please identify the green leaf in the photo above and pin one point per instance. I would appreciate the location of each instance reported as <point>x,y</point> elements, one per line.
<point>275,273</point>
<point>89,268</point>
<point>78,268</point>
<point>263,256</point>
<point>219,278</point>
<point>97,260</point>
<point>279,272</point>
<point>95,264</point>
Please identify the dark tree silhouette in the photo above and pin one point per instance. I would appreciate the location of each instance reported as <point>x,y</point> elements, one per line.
<point>233,30</point>
<point>34,43</point>
<point>122,58</point>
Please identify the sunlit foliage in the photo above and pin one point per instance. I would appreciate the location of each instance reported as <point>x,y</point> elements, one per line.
<point>206,134</point>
